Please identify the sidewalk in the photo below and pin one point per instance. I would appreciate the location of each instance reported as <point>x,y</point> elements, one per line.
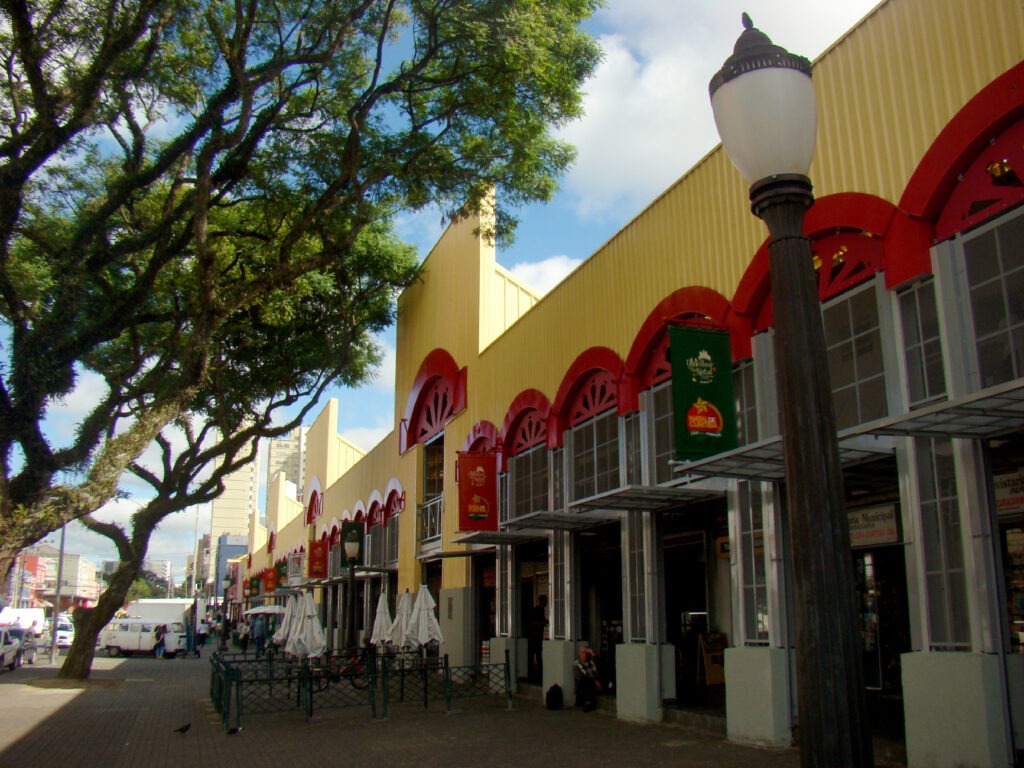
<point>125,716</point>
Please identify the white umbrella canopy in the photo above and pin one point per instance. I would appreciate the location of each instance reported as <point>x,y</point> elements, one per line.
<point>381,623</point>
<point>266,609</point>
<point>400,626</point>
<point>423,626</point>
<point>287,618</point>
<point>305,634</point>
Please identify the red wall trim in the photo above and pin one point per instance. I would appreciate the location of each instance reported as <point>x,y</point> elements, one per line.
<point>993,108</point>
<point>437,364</point>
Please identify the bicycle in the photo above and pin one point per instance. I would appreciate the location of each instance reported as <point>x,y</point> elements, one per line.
<point>355,667</point>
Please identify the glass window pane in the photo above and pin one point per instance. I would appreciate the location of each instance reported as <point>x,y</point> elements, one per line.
<point>836,319</point>
<point>987,306</point>
<point>980,258</point>
<point>872,400</point>
<point>869,354</point>
<point>863,311</point>
<point>910,313</point>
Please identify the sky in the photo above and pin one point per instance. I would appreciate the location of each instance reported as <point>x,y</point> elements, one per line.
<point>647,122</point>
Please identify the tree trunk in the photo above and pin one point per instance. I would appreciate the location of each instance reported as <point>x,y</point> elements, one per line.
<point>89,622</point>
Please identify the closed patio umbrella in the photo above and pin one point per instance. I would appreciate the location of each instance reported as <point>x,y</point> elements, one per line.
<point>423,626</point>
<point>382,622</point>
<point>290,615</point>
<point>305,634</point>
<point>400,626</point>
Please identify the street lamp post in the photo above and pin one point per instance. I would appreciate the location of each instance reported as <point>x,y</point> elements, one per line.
<point>764,107</point>
<point>225,626</point>
<point>352,555</point>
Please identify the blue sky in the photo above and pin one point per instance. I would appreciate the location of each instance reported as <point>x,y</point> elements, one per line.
<point>648,120</point>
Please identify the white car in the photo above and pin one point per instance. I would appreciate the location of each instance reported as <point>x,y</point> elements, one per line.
<point>9,649</point>
<point>65,633</point>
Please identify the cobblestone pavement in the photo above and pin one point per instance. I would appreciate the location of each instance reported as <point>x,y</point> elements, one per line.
<point>126,716</point>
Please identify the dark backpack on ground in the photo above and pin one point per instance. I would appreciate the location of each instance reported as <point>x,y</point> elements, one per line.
<point>553,698</point>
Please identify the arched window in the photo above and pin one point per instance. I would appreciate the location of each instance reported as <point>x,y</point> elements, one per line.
<point>594,428</point>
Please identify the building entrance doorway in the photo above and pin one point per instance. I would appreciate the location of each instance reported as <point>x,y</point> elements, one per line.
<point>601,592</point>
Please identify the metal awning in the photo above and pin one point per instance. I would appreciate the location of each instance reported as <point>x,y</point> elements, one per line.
<point>439,554</point>
<point>641,498</point>
<point>555,521</point>
<point>992,412</point>
<point>764,460</point>
<point>497,538</point>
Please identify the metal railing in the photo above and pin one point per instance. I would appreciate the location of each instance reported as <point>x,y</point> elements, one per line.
<point>431,513</point>
<point>275,683</point>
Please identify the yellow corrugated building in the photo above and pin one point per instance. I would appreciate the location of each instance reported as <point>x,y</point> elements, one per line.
<point>919,225</point>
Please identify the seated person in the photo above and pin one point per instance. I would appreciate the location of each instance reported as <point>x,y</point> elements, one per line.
<point>587,684</point>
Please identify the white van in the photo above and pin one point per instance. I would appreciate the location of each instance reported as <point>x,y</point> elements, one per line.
<point>128,636</point>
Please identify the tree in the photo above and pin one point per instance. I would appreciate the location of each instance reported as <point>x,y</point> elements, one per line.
<point>281,354</point>
<point>174,172</point>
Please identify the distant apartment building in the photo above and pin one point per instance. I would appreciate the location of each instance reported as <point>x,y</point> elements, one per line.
<point>79,580</point>
<point>233,509</point>
<point>287,454</point>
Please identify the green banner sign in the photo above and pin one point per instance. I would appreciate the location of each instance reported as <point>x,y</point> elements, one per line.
<point>702,394</point>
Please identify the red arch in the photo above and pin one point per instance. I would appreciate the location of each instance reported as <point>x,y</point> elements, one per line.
<point>595,358</point>
<point>904,242</point>
<point>995,107</point>
<point>438,364</point>
<point>482,430</point>
<point>528,399</point>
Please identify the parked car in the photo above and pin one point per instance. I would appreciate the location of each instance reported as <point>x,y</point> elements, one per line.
<point>65,633</point>
<point>9,648</point>
<point>29,645</point>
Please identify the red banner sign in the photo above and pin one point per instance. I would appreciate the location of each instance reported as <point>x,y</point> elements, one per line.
<point>318,559</point>
<point>478,491</point>
<point>269,579</point>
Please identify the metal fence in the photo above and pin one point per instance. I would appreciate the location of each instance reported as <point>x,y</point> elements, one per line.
<point>275,683</point>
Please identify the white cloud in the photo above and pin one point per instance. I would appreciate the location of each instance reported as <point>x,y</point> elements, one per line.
<point>384,376</point>
<point>367,437</point>
<point>648,115</point>
<point>544,275</point>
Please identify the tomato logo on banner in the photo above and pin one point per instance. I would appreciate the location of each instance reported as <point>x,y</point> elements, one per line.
<point>704,417</point>
<point>478,491</point>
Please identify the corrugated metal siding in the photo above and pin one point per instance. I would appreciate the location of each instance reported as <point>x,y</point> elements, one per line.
<point>886,92</point>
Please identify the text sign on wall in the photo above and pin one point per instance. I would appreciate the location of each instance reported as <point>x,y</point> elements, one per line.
<point>702,394</point>
<point>1010,493</point>
<point>478,491</point>
<point>873,525</point>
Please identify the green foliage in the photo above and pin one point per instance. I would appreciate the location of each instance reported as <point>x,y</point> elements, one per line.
<point>196,202</point>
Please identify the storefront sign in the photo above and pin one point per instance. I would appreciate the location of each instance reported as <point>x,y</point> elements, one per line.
<point>318,559</point>
<point>1010,493</point>
<point>281,570</point>
<point>254,586</point>
<point>872,526</point>
<point>478,491</point>
<point>269,579</point>
<point>702,394</point>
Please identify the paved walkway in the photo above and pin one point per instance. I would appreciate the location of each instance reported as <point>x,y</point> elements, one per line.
<point>125,716</point>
